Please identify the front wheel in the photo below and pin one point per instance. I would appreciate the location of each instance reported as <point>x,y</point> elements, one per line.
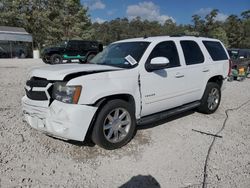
<point>211,98</point>
<point>115,125</point>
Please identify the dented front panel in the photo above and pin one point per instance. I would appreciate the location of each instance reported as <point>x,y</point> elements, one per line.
<point>66,121</point>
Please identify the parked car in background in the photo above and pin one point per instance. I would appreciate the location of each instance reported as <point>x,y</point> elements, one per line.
<point>239,57</point>
<point>131,82</point>
<point>71,50</point>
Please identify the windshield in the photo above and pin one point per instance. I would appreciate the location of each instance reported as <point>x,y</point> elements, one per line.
<point>125,55</point>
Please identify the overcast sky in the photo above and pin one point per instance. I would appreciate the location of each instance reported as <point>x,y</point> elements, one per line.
<point>179,11</point>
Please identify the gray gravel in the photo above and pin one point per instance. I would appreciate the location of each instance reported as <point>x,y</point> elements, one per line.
<point>166,154</point>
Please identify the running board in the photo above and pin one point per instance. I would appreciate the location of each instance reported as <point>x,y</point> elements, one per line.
<point>168,113</point>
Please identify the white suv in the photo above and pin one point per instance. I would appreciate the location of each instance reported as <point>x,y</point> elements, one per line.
<point>131,82</point>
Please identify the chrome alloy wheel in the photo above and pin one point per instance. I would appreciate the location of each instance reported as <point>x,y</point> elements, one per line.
<point>116,125</point>
<point>213,99</point>
<point>57,60</point>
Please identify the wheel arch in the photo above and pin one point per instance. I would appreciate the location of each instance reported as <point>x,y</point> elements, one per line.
<point>216,79</point>
<point>102,101</point>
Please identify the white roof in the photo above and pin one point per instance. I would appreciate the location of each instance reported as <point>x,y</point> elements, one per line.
<point>14,34</point>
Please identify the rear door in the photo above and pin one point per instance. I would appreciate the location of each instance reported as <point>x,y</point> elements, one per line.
<point>84,48</point>
<point>196,70</point>
<point>72,50</point>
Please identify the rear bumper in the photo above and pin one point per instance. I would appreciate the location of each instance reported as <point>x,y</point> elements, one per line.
<point>65,121</point>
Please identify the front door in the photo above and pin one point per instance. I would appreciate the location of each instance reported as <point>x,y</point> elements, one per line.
<point>163,89</point>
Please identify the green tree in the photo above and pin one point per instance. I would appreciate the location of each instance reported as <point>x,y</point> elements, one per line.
<point>47,20</point>
<point>235,31</point>
<point>220,33</point>
<point>199,24</point>
<point>246,27</point>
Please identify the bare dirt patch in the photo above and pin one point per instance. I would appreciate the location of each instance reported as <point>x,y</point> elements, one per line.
<point>168,154</point>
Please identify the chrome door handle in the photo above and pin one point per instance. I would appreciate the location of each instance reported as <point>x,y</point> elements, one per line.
<point>178,75</point>
<point>205,70</point>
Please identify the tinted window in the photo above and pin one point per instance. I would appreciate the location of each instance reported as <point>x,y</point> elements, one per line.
<point>244,53</point>
<point>192,52</point>
<point>73,45</point>
<point>233,54</point>
<point>215,50</point>
<point>84,45</point>
<point>168,50</point>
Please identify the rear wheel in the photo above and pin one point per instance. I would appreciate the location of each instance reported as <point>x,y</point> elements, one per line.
<point>56,59</point>
<point>211,98</point>
<point>90,56</point>
<point>45,60</point>
<point>115,125</point>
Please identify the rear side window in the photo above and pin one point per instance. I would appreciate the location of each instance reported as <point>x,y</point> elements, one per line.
<point>73,45</point>
<point>215,50</point>
<point>192,52</point>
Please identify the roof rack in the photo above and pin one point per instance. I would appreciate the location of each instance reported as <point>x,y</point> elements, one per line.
<point>183,35</point>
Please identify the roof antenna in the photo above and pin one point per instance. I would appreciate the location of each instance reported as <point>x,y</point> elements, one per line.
<point>145,36</point>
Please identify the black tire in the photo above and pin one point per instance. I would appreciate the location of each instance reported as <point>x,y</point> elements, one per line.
<point>45,61</point>
<point>82,61</point>
<point>100,134</point>
<point>56,59</point>
<point>90,56</point>
<point>205,106</point>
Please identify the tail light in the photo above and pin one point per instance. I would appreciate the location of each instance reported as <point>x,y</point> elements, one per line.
<point>230,67</point>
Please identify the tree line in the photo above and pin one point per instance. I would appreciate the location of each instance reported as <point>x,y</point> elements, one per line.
<point>50,21</point>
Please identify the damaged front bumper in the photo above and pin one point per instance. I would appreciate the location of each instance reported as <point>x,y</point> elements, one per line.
<point>65,121</point>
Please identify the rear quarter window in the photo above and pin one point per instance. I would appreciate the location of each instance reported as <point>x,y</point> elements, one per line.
<point>216,50</point>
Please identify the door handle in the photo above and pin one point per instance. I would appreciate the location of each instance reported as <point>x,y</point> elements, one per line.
<point>205,70</point>
<point>179,75</point>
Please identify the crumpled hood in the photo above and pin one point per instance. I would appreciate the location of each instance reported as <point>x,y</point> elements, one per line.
<point>59,72</point>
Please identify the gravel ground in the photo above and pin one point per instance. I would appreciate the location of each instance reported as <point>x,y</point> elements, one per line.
<point>166,154</point>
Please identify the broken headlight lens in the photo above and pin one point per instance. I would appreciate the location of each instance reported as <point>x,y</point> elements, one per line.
<point>66,94</point>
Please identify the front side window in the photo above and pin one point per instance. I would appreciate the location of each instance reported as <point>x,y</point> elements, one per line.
<point>115,54</point>
<point>62,44</point>
<point>166,49</point>
<point>192,52</point>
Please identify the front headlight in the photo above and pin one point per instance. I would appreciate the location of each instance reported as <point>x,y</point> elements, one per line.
<point>66,94</point>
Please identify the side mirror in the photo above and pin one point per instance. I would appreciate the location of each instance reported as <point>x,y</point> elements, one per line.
<point>157,63</point>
